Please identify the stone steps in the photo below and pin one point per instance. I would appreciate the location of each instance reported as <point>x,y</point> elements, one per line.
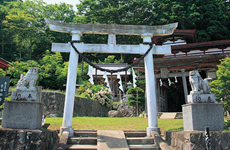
<point>137,140</point>
<point>82,140</point>
<point>135,133</point>
<point>140,140</point>
<point>85,134</point>
<point>101,140</point>
<point>81,147</point>
<point>144,147</point>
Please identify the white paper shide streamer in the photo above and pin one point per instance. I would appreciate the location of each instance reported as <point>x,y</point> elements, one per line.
<point>134,79</point>
<point>120,82</point>
<point>106,80</point>
<point>169,82</point>
<point>176,79</point>
<point>90,74</point>
<point>161,83</point>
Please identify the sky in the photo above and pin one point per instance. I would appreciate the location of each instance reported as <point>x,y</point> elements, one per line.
<point>73,2</point>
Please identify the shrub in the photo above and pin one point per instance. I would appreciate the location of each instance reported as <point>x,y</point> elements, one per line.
<point>2,73</point>
<point>132,100</point>
<point>96,92</point>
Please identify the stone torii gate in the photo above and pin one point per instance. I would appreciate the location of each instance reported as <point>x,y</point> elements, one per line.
<point>76,30</point>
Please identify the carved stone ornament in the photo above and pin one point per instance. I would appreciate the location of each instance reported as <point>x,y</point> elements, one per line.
<point>29,80</point>
<point>198,85</point>
<point>26,89</point>
<point>201,91</point>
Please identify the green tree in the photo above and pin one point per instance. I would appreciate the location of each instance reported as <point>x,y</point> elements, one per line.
<point>24,33</point>
<point>137,94</point>
<point>221,86</point>
<point>2,73</point>
<point>19,67</point>
<point>115,12</point>
<point>52,69</point>
<point>204,16</point>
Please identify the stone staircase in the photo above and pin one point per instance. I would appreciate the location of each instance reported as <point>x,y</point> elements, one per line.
<point>137,140</point>
<point>89,140</point>
<point>82,140</point>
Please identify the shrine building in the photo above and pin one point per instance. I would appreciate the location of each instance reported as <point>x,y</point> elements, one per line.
<point>172,71</point>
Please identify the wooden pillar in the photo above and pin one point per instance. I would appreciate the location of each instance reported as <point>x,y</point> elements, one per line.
<point>184,85</point>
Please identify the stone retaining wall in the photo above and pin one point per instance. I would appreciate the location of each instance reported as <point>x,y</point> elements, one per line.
<point>54,106</point>
<point>19,139</point>
<point>193,140</point>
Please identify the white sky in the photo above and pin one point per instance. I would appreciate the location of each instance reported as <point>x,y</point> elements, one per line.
<point>73,2</point>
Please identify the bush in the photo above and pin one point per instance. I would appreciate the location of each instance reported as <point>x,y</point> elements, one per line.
<point>2,73</point>
<point>132,100</point>
<point>17,68</point>
<point>96,92</point>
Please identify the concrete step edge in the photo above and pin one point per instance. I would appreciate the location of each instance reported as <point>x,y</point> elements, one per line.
<point>85,130</point>
<point>140,140</point>
<point>144,147</point>
<point>85,134</point>
<point>81,147</point>
<point>82,140</point>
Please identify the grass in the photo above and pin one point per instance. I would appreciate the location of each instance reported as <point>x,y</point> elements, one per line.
<point>107,123</point>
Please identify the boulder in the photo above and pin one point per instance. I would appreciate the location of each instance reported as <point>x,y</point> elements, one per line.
<point>114,113</point>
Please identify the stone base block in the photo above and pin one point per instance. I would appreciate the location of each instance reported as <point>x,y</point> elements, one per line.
<point>22,115</point>
<point>149,129</point>
<point>201,98</point>
<point>27,95</point>
<point>195,140</point>
<point>198,116</point>
<point>24,139</point>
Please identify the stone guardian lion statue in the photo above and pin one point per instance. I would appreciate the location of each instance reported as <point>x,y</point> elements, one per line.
<point>29,80</point>
<point>199,86</point>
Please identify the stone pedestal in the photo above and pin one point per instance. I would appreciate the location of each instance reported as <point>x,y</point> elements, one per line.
<point>22,115</point>
<point>201,98</point>
<point>197,116</point>
<point>30,95</point>
<point>24,139</point>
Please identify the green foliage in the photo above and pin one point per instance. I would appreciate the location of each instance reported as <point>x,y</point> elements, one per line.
<point>221,86</point>
<point>52,72</point>
<point>204,16</point>
<point>82,89</point>
<point>2,73</point>
<point>24,34</point>
<point>17,68</point>
<point>136,92</point>
<point>110,59</point>
<point>82,74</point>
<point>96,92</point>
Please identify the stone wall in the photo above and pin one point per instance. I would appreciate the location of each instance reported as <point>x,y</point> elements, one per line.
<point>18,139</point>
<point>192,140</point>
<point>54,106</point>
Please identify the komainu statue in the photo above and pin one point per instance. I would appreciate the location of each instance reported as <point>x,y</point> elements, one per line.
<point>198,85</point>
<point>29,80</point>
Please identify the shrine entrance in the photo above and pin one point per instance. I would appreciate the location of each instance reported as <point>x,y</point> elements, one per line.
<point>76,48</point>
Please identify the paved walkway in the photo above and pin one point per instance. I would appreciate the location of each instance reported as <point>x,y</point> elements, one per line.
<point>168,116</point>
<point>114,140</point>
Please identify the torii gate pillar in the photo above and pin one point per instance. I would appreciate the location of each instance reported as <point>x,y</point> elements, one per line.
<point>70,87</point>
<point>150,88</point>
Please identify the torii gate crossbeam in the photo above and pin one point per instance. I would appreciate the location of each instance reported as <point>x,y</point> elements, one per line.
<point>146,32</point>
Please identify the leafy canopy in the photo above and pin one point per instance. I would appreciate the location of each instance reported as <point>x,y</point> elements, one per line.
<point>221,86</point>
